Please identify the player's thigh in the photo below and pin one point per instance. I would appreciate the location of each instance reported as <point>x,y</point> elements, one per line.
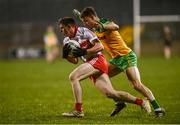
<point>113,70</point>
<point>103,84</point>
<point>83,71</point>
<point>133,74</point>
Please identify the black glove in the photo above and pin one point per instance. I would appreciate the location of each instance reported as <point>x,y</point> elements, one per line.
<point>66,50</point>
<point>79,52</point>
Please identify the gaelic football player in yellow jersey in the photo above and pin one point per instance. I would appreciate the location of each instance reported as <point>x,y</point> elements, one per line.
<point>123,57</point>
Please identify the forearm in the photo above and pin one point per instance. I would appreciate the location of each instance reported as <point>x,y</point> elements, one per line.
<point>94,50</point>
<point>97,48</point>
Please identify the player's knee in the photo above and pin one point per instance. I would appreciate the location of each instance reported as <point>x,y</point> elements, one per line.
<point>72,77</point>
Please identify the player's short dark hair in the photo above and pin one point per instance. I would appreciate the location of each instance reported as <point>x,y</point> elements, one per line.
<point>88,11</point>
<point>66,21</point>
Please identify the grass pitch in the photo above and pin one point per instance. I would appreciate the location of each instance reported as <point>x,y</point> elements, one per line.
<point>32,91</point>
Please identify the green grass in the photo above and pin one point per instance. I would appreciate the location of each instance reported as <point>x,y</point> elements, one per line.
<point>32,91</point>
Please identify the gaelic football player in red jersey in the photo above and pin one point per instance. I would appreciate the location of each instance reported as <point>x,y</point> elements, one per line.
<point>94,63</point>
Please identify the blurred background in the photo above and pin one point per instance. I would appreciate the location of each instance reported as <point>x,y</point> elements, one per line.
<point>23,24</point>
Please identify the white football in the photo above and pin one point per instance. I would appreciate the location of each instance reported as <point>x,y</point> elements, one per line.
<point>73,45</point>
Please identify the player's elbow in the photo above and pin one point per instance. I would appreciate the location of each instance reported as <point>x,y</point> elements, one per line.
<point>113,26</point>
<point>116,27</point>
<point>100,47</point>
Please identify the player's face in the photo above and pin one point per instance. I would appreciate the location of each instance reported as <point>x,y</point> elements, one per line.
<point>89,21</point>
<point>67,31</point>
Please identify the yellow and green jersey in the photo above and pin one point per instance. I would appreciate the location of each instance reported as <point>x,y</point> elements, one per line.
<point>112,41</point>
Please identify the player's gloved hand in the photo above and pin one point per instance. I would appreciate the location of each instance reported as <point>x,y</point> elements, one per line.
<point>79,52</point>
<point>77,14</point>
<point>66,50</point>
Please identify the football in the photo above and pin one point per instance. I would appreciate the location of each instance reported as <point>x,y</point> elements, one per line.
<point>73,45</point>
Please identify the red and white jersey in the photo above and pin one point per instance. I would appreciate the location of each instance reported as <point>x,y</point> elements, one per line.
<point>84,37</point>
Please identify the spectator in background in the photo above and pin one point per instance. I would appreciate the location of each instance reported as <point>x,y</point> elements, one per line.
<point>167,41</point>
<point>51,44</point>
